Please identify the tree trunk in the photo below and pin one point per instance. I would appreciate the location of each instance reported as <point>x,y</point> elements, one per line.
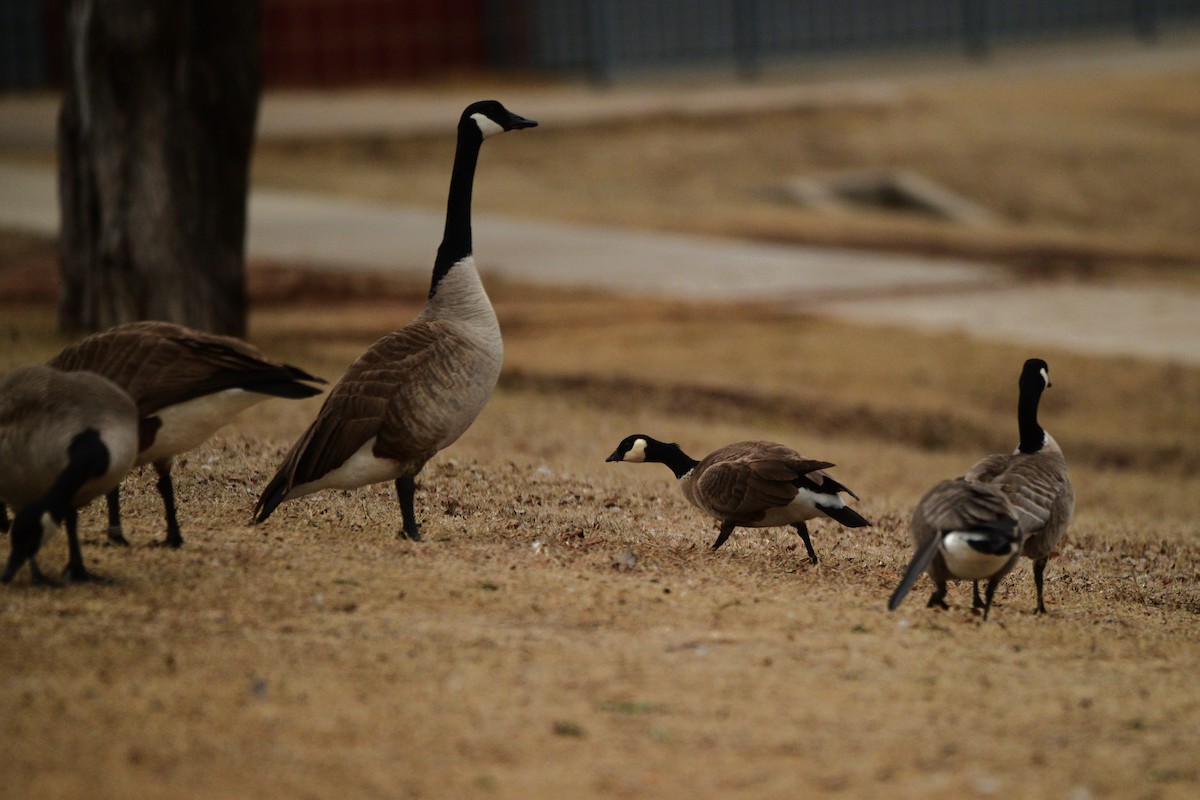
<point>160,100</point>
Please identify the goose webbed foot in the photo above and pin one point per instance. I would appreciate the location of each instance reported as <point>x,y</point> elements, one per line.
<point>938,599</point>
<point>116,536</point>
<point>78,573</point>
<point>174,538</point>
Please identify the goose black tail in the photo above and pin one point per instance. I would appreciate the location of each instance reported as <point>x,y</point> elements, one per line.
<point>845,515</point>
<point>286,382</point>
<point>271,497</point>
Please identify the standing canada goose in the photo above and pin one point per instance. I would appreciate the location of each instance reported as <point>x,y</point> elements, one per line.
<point>187,384</point>
<point>962,531</point>
<point>65,438</point>
<point>415,391</point>
<point>1033,478</point>
<point>750,485</point>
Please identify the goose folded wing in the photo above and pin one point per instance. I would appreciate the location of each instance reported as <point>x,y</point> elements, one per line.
<point>161,364</point>
<point>1035,489</point>
<point>959,505</point>
<point>735,490</point>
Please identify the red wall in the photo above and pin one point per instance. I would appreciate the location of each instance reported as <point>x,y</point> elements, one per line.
<point>344,42</point>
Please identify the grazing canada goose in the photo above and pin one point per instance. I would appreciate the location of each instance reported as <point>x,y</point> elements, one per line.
<point>1033,478</point>
<point>187,384</point>
<point>962,531</point>
<point>65,438</point>
<point>750,485</point>
<point>415,391</point>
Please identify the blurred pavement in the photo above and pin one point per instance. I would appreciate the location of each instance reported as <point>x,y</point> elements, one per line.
<point>325,232</point>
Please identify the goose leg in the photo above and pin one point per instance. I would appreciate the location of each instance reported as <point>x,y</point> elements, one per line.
<point>938,598</point>
<point>726,529</point>
<point>406,490</point>
<point>4,523</point>
<point>166,488</point>
<point>1039,571</point>
<point>115,534</point>
<point>802,529</point>
<point>75,570</point>
<point>977,601</point>
<point>991,590</point>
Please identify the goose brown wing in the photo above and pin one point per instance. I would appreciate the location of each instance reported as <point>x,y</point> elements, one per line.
<point>160,364</point>
<point>1039,490</point>
<point>959,506</point>
<point>745,480</point>
<point>363,404</point>
<point>988,467</point>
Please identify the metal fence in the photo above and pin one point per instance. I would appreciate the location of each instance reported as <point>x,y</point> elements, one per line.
<point>604,38</point>
<point>348,42</point>
<point>23,60</point>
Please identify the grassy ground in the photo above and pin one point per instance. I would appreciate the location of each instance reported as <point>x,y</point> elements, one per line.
<point>565,630</point>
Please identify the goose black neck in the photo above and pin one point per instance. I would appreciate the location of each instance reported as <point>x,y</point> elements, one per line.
<point>676,460</point>
<point>1032,435</point>
<point>456,238</point>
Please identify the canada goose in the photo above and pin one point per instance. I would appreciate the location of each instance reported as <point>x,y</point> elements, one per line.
<point>962,531</point>
<point>187,384</point>
<point>65,438</point>
<point>418,389</point>
<point>750,485</point>
<point>1033,477</point>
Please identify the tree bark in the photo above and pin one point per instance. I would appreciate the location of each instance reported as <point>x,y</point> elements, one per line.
<point>160,101</point>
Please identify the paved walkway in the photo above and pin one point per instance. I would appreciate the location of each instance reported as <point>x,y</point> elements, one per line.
<point>888,289</point>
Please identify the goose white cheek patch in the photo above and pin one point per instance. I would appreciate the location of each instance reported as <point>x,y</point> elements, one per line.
<point>1045,376</point>
<point>637,453</point>
<point>487,126</point>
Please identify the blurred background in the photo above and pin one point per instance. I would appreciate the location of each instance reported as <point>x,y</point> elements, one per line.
<point>1035,160</point>
<point>352,42</point>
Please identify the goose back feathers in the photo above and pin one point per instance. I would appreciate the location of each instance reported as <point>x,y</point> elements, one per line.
<point>752,484</point>
<point>417,390</point>
<point>187,384</point>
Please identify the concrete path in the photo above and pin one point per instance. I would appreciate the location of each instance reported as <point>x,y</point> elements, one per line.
<point>870,287</point>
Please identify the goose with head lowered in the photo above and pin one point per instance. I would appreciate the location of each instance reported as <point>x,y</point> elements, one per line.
<point>417,390</point>
<point>750,485</point>
<point>1033,478</point>
<point>187,384</point>
<point>961,531</point>
<point>65,439</point>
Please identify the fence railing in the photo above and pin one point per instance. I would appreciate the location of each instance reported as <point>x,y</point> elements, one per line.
<point>604,38</point>
<point>349,42</point>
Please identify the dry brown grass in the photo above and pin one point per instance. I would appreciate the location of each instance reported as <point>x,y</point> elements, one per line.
<point>513,655</point>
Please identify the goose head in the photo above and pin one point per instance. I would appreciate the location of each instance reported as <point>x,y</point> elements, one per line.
<point>33,526</point>
<point>489,117</point>
<point>1035,376</point>
<point>639,449</point>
